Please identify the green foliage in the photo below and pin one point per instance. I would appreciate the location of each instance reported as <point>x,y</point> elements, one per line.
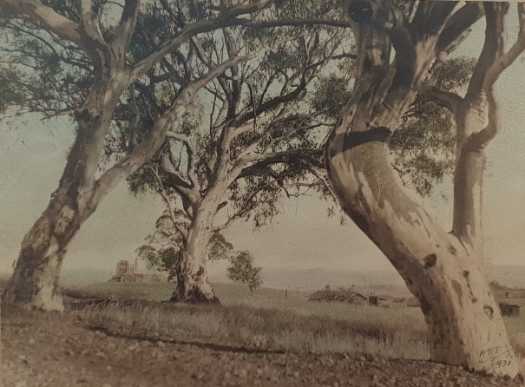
<point>219,248</point>
<point>424,147</point>
<point>163,248</point>
<point>242,270</point>
<point>160,259</point>
<point>285,61</point>
<point>10,95</point>
<point>41,72</point>
<point>331,95</point>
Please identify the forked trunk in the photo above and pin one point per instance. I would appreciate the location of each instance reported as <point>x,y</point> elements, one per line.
<point>445,271</point>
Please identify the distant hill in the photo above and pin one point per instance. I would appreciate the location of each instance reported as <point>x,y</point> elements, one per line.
<point>314,279</point>
<point>513,276</point>
<point>379,281</point>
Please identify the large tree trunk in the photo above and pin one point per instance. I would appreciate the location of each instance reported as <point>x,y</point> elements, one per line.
<point>34,283</point>
<point>35,280</point>
<point>37,271</point>
<point>441,269</point>
<point>445,271</point>
<point>464,322</point>
<point>191,271</point>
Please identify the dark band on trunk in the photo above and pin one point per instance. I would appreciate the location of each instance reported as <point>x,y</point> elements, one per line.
<point>379,134</point>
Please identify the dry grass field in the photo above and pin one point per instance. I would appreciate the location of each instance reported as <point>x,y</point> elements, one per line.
<point>117,335</point>
<point>269,319</point>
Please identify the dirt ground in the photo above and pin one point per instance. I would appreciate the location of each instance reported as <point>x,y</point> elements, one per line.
<point>58,350</point>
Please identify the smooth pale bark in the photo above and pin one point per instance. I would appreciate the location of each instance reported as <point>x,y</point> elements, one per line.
<point>191,271</point>
<point>445,271</point>
<point>35,279</point>
<point>464,322</point>
<point>471,117</point>
<point>34,282</point>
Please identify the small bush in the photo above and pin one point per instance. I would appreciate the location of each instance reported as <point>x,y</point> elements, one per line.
<point>339,295</point>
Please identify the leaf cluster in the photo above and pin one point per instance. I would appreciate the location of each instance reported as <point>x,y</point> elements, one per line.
<point>243,270</point>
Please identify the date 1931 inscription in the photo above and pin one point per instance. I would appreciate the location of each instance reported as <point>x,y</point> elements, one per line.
<point>497,357</point>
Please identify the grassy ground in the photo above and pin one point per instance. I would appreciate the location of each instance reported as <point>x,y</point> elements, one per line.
<point>268,319</point>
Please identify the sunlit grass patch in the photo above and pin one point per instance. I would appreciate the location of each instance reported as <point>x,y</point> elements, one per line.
<point>258,329</point>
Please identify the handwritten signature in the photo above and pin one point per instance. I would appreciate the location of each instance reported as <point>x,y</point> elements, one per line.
<point>497,357</point>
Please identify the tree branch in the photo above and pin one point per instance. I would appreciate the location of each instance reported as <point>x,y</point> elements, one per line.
<point>152,144</point>
<point>226,18</point>
<point>249,164</point>
<point>458,24</point>
<point>240,213</point>
<point>504,60</point>
<point>127,24</point>
<point>493,47</point>
<point>447,99</point>
<point>165,198</point>
<point>294,23</point>
<point>37,13</point>
<point>477,141</point>
<point>90,25</point>
<point>178,180</point>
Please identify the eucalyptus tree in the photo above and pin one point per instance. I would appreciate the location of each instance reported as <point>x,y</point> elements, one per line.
<point>256,141</point>
<point>242,270</point>
<point>78,58</point>
<point>398,43</point>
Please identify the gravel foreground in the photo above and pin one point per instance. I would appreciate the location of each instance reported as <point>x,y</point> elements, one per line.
<point>58,350</point>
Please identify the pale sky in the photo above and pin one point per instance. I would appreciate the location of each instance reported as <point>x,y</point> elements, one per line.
<point>32,155</point>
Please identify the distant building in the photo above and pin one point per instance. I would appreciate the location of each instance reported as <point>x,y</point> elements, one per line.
<point>125,271</point>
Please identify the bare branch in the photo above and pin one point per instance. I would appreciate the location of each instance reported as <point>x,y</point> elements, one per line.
<point>167,202</point>
<point>90,24</point>
<point>126,27</point>
<point>294,23</point>
<point>486,70</point>
<point>458,24</point>
<point>37,13</point>
<point>153,143</point>
<point>431,17</point>
<point>505,60</point>
<point>249,163</point>
<point>447,99</point>
<point>271,104</point>
<point>321,175</point>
